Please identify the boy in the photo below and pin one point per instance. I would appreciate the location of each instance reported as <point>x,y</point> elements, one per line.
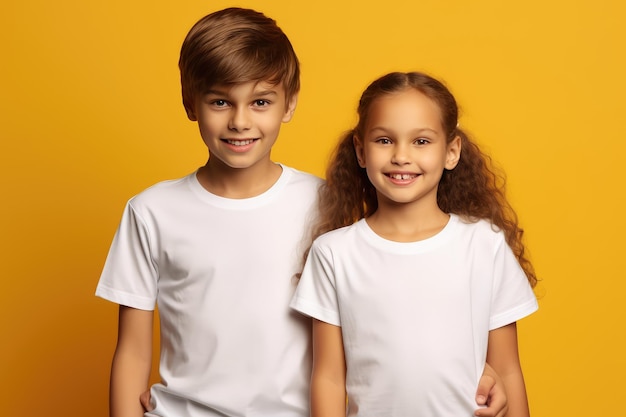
<point>218,250</point>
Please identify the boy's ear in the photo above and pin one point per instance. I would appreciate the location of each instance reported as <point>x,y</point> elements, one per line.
<point>291,108</point>
<point>191,114</point>
<point>453,153</point>
<point>358,149</point>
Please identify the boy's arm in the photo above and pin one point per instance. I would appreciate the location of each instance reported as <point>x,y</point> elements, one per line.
<point>132,361</point>
<point>491,394</point>
<point>328,380</point>
<point>503,356</point>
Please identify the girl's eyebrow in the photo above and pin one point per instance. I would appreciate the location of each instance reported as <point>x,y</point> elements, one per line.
<point>417,131</point>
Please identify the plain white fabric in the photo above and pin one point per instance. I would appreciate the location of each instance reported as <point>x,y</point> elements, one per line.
<point>415,317</point>
<point>222,272</point>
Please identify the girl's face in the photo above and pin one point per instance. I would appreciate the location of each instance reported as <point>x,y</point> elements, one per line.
<point>404,148</point>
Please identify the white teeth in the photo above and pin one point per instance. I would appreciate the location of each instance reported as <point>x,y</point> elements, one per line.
<point>401,176</point>
<point>240,142</point>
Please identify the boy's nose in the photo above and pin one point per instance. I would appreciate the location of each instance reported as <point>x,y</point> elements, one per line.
<point>240,120</point>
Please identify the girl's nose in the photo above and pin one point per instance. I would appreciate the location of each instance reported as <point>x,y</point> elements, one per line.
<point>400,155</point>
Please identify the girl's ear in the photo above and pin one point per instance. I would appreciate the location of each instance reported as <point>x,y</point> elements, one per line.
<point>291,108</point>
<point>358,149</point>
<point>453,153</point>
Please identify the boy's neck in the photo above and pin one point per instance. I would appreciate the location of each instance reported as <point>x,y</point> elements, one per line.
<point>238,183</point>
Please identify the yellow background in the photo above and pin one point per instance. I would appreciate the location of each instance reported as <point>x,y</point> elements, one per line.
<point>90,114</point>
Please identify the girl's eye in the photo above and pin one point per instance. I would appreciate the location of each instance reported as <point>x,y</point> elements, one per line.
<point>421,141</point>
<point>383,141</point>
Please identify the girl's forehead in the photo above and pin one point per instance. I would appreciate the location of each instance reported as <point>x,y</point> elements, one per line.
<point>409,104</point>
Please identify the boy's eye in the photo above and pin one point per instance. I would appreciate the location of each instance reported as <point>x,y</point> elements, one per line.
<point>219,103</point>
<point>261,103</point>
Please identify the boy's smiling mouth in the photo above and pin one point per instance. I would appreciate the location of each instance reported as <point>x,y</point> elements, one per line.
<point>239,142</point>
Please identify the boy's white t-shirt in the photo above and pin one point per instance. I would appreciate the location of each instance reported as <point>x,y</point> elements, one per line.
<point>222,272</point>
<point>415,317</point>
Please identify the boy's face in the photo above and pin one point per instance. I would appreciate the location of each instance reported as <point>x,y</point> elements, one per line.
<point>240,123</point>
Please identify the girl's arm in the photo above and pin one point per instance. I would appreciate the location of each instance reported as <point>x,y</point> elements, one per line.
<point>132,361</point>
<point>503,356</point>
<point>328,380</point>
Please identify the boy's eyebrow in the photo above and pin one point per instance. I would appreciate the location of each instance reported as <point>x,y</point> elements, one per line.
<point>220,92</point>
<point>265,93</point>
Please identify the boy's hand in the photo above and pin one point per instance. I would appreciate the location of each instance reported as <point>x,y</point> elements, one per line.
<point>491,394</point>
<point>144,398</point>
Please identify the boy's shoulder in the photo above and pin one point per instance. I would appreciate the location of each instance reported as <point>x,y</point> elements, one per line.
<point>165,190</point>
<point>301,177</point>
<point>297,188</point>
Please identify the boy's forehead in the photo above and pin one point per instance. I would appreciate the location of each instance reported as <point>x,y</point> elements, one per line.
<point>251,87</point>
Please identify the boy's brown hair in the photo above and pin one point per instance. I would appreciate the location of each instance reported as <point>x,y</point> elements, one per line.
<point>234,46</point>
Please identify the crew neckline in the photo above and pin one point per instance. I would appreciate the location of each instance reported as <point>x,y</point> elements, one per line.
<point>420,246</point>
<point>239,203</point>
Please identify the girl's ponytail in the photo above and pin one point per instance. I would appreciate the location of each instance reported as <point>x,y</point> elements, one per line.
<point>347,195</point>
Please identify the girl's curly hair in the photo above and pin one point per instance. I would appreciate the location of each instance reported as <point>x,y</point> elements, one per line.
<point>474,189</point>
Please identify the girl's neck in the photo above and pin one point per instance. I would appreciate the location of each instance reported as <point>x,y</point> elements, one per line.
<point>403,223</point>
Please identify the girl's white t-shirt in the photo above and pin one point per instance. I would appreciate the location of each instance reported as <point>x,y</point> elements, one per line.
<point>415,317</point>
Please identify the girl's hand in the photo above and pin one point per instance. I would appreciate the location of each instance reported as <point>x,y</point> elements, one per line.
<point>491,394</point>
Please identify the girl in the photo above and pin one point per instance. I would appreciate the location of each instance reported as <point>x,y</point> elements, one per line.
<point>426,277</point>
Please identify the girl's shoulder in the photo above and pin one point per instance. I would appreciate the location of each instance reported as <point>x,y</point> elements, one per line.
<point>338,236</point>
<point>479,228</point>
<point>341,232</point>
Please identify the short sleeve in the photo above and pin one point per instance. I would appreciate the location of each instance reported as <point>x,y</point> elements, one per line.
<point>129,276</point>
<point>513,297</point>
<point>316,294</point>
